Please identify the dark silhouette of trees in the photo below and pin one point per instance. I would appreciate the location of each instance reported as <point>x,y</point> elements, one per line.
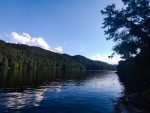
<point>129,26</point>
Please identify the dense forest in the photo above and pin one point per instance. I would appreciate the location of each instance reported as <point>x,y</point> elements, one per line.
<point>24,57</point>
<point>19,56</point>
<point>93,65</point>
<point>129,27</point>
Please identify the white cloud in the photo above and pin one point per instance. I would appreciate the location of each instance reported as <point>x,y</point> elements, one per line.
<point>105,58</point>
<point>25,38</point>
<point>60,49</point>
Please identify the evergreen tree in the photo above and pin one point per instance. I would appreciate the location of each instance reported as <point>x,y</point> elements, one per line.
<point>4,63</point>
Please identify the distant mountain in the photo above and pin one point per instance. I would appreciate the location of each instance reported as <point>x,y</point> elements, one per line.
<point>20,56</point>
<point>93,65</point>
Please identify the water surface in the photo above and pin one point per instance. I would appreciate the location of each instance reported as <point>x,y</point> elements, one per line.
<point>89,92</point>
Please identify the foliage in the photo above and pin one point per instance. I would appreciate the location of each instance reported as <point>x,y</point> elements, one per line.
<point>129,26</point>
<point>93,65</point>
<point>146,95</point>
<point>24,57</point>
<point>18,56</point>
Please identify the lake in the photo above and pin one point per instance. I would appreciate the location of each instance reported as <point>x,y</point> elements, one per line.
<point>87,92</point>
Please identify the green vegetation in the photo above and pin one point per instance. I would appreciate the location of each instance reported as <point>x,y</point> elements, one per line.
<point>93,65</point>
<point>146,95</point>
<point>24,57</point>
<point>129,27</point>
<point>18,57</point>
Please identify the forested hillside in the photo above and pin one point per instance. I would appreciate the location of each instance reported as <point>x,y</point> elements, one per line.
<point>93,65</point>
<point>19,56</point>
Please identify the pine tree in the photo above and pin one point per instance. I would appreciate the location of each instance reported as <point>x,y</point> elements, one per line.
<point>4,63</point>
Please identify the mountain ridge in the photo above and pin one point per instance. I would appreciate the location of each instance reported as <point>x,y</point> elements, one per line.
<point>20,56</point>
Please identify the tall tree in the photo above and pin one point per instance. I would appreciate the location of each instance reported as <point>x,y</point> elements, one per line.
<point>4,63</point>
<point>129,27</point>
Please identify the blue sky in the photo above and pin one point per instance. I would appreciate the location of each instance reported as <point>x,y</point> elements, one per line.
<point>71,26</point>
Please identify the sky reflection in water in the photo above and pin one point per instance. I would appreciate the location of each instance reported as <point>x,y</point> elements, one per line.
<point>98,92</point>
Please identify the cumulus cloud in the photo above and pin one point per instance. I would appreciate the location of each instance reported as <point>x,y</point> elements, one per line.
<point>25,38</point>
<point>60,49</point>
<point>105,58</point>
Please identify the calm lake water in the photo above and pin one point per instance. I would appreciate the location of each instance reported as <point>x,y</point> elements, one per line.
<point>89,92</point>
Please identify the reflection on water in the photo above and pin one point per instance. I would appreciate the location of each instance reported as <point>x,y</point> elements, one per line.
<point>18,100</point>
<point>15,80</point>
<point>84,92</point>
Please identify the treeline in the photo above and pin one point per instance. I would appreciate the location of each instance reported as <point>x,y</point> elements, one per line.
<point>129,27</point>
<point>135,73</point>
<point>19,56</point>
<point>24,57</point>
<point>138,68</point>
<point>93,65</point>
